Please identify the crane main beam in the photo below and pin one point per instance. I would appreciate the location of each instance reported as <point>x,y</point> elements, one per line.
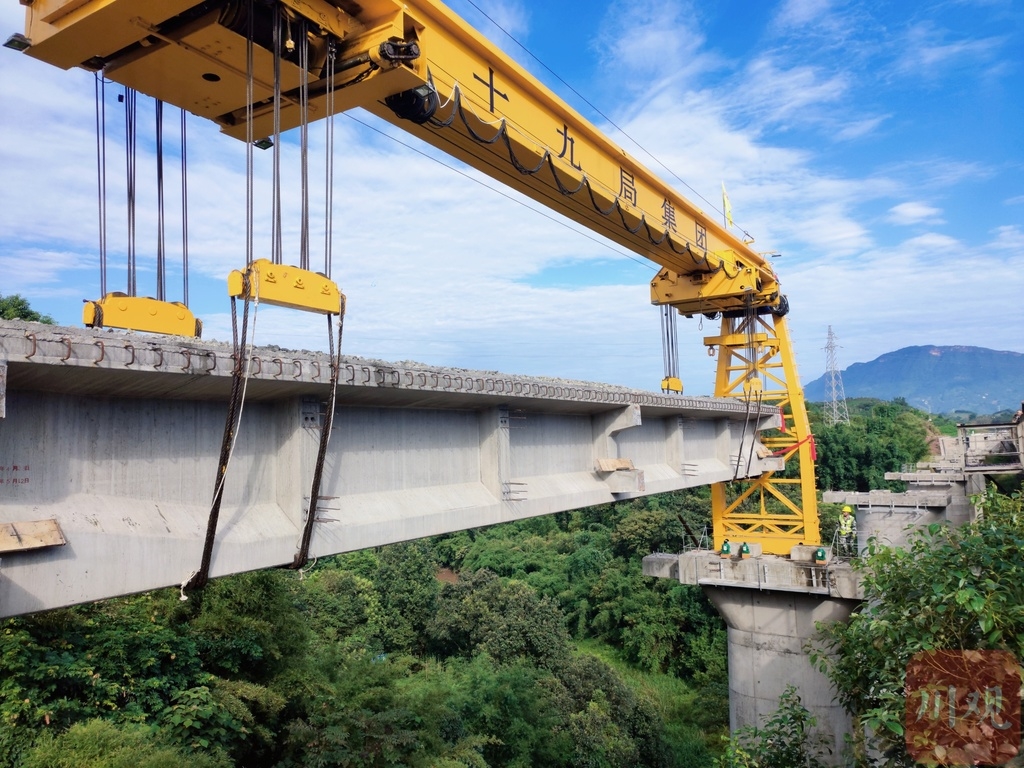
<point>417,64</point>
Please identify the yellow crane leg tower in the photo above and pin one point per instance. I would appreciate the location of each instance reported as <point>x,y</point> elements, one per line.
<point>419,66</point>
<point>777,510</point>
<point>756,365</point>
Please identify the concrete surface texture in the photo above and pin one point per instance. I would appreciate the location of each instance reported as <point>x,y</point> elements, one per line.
<point>771,606</point>
<point>768,632</point>
<point>116,437</point>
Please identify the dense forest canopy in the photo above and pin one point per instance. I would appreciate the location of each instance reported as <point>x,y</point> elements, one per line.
<point>881,437</point>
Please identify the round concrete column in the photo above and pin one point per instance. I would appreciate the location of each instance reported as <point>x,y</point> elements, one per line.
<point>767,634</point>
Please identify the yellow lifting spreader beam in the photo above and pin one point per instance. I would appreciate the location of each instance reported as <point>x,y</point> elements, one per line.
<point>286,286</point>
<point>421,67</point>
<point>141,313</point>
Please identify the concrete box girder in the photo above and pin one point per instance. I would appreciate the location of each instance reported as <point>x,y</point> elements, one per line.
<point>117,437</point>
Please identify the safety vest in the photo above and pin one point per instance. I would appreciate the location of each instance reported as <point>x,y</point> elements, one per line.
<point>846,525</point>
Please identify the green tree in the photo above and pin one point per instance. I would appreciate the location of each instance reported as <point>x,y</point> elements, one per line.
<point>517,705</point>
<point>506,620</point>
<point>339,605</point>
<point>116,659</point>
<point>247,626</point>
<point>599,741</point>
<point>407,590</point>
<point>136,660</point>
<point>590,563</point>
<point>16,307</point>
<point>881,437</point>
<point>787,739</point>
<point>951,589</point>
<point>355,717</point>
<point>646,531</point>
<point>225,716</point>
<point>610,723</point>
<point>101,744</point>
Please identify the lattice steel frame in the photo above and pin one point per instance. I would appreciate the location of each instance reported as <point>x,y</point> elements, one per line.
<point>836,411</point>
<point>755,360</point>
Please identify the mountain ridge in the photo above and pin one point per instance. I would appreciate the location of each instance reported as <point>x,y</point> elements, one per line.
<point>937,379</point>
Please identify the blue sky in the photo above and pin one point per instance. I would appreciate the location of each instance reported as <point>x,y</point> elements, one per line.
<point>876,145</point>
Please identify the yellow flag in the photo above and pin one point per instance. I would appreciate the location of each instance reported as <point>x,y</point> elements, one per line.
<point>726,206</point>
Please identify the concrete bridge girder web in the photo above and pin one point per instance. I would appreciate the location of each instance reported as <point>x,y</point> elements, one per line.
<point>109,443</point>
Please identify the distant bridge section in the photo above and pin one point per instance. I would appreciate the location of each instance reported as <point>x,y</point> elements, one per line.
<point>109,448</point>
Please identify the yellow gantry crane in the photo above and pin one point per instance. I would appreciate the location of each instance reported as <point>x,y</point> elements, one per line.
<point>258,68</point>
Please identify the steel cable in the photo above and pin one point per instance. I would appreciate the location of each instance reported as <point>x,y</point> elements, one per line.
<point>184,208</point>
<point>329,165</point>
<point>100,88</point>
<point>302,555</point>
<point>239,376</point>
<point>160,263</point>
<point>277,245</point>
<point>304,145</point>
<point>249,138</point>
<point>129,152</point>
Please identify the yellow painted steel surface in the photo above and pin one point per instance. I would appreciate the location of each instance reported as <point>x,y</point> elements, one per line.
<point>672,384</point>
<point>141,313</point>
<point>286,286</point>
<point>756,365</point>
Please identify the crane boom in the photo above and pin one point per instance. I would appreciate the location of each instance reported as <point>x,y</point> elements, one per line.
<point>474,103</point>
<point>418,65</point>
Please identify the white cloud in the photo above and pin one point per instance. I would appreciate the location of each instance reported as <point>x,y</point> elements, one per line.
<point>511,15</point>
<point>1009,237</point>
<point>799,13</point>
<point>644,43</point>
<point>860,128</point>
<point>937,173</point>
<point>839,34</point>
<point>914,212</point>
<point>932,243</point>
<point>496,19</point>
<point>31,270</point>
<point>775,193</point>
<point>926,52</point>
<point>775,94</point>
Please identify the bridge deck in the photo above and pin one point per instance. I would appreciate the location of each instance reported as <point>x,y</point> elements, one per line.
<point>116,437</point>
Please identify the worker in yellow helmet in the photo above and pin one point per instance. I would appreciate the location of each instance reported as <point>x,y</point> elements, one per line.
<point>847,532</point>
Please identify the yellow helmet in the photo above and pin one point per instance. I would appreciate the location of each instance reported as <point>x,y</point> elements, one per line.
<point>847,508</point>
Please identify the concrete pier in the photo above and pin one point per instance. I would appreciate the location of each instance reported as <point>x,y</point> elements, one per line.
<point>771,606</point>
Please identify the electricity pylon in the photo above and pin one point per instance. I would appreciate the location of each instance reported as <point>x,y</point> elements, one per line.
<point>835,409</point>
